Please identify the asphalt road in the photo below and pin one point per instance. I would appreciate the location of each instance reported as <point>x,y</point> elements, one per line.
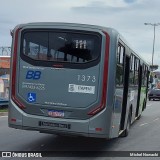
<point>144,136</point>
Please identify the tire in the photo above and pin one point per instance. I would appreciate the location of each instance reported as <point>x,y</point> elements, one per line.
<point>143,107</point>
<point>149,99</point>
<point>126,131</point>
<point>139,117</point>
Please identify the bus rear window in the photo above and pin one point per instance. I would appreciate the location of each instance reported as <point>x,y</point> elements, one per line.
<point>57,46</point>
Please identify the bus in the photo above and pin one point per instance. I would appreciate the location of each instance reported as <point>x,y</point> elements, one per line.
<point>76,80</point>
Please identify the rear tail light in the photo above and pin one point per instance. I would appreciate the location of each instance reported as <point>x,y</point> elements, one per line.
<point>14,70</point>
<point>105,78</point>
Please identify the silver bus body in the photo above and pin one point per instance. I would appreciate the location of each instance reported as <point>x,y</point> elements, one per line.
<point>63,81</point>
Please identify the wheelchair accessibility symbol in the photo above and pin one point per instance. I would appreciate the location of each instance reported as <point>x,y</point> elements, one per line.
<point>31,97</point>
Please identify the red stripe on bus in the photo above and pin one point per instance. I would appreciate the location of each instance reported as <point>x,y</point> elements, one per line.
<point>105,79</point>
<point>14,68</point>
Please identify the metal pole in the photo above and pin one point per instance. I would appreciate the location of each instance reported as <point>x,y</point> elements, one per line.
<point>154,25</point>
<point>153,44</point>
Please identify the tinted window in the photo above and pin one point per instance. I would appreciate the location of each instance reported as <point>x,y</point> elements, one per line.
<point>120,65</point>
<point>131,77</point>
<point>144,75</point>
<point>61,46</point>
<point>136,71</point>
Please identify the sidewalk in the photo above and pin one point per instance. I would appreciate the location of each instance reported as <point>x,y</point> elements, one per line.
<point>3,113</point>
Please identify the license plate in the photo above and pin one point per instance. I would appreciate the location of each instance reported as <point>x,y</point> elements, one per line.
<point>54,113</point>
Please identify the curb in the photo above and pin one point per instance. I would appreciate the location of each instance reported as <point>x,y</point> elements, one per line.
<point>3,113</point>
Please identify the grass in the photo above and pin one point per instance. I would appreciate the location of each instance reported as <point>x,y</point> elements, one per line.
<point>3,110</point>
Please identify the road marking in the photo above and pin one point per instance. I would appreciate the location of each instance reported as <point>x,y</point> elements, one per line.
<point>156,119</point>
<point>3,116</point>
<point>143,124</point>
<point>149,122</point>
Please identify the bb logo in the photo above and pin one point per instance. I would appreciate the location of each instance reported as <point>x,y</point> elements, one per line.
<point>33,75</point>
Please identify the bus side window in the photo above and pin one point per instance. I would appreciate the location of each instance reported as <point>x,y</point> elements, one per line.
<point>132,68</point>
<point>120,65</point>
<point>144,75</point>
<point>136,71</point>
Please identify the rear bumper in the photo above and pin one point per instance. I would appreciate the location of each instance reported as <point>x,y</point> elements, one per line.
<point>154,97</point>
<point>20,120</point>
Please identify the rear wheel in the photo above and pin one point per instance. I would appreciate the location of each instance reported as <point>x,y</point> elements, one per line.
<point>143,107</point>
<point>149,99</point>
<point>139,117</point>
<point>126,131</point>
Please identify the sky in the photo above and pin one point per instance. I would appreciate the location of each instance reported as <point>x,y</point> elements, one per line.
<point>126,16</point>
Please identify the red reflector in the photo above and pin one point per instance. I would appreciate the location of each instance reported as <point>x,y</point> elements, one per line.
<point>58,65</point>
<point>99,129</point>
<point>13,120</point>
